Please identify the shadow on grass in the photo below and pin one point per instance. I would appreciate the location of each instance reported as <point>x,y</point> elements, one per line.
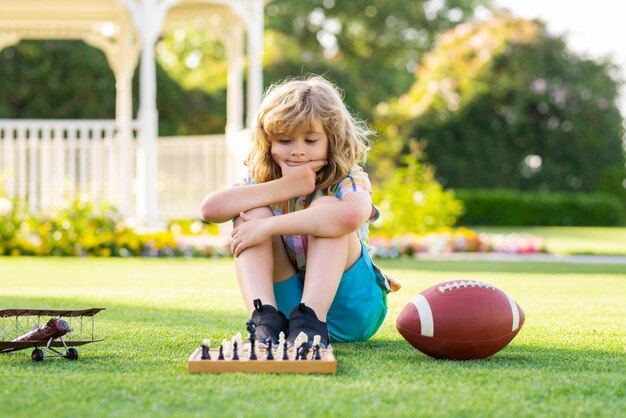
<point>501,267</point>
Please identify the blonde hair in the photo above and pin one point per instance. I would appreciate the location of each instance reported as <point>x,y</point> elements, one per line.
<point>294,104</point>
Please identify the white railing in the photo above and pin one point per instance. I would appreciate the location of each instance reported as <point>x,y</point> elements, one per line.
<point>48,162</point>
<point>45,162</point>
<point>189,167</point>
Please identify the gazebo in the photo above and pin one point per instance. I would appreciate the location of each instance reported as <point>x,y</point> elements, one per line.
<point>116,160</point>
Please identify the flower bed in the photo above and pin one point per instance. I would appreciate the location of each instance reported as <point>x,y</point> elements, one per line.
<point>450,240</point>
<point>84,229</point>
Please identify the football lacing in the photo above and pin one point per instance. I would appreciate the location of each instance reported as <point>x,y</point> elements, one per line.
<point>464,283</point>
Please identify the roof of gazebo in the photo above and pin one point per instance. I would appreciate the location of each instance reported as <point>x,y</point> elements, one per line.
<point>80,19</point>
<point>61,18</point>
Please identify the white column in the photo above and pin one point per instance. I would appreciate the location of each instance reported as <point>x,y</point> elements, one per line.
<point>255,60</point>
<point>125,63</point>
<point>234,92</point>
<point>149,21</point>
<point>146,152</point>
<point>236,147</point>
<point>123,118</point>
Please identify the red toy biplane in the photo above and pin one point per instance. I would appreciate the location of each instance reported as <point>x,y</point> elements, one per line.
<point>22,329</point>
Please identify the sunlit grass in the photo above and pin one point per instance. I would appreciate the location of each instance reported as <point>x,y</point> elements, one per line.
<point>568,359</point>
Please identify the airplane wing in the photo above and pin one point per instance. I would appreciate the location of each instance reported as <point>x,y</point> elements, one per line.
<point>5,313</point>
<point>8,346</point>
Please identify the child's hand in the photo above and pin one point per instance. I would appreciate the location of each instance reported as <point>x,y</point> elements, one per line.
<point>301,177</point>
<point>248,234</point>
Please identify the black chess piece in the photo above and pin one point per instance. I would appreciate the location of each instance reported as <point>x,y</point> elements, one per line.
<point>205,352</point>
<point>285,351</point>
<point>220,356</point>
<point>235,355</point>
<point>270,355</point>
<point>252,338</point>
<point>316,352</point>
<point>252,351</point>
<point>251,328</point>
<point>302,352</point>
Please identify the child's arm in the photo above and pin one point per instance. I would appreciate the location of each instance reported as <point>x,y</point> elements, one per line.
<point>332,219</point>
<point>224,205</point>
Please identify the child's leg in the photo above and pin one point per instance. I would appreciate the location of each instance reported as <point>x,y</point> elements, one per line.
<point>327,259</point>
<point>259,266</point>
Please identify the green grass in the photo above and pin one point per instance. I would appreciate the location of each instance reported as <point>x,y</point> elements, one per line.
<point>568,359</point>
<point>573,240</point>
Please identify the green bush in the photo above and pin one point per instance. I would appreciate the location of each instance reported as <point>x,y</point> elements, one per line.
<point>81,228</point>
<point>411,201</point>
<point>13,222</point>
<point>515,208</point>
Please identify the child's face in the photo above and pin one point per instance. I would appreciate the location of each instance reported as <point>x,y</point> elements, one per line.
<point>307,143</point>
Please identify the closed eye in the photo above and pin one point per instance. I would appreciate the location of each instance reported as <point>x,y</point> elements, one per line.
<point>310,140</point>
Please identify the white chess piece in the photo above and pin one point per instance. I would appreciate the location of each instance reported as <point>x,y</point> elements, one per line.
<point>317,340</point>
<point>303,338</point>
<point>228,348</point>
<point>206,342</point>
<point>237,339</point>
<point>281,344</point>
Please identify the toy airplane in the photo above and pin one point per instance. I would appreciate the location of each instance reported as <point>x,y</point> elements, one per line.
<point>14,334</point>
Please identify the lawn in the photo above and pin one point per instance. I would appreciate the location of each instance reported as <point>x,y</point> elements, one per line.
<point>568,359</point>
<point>572,240</point>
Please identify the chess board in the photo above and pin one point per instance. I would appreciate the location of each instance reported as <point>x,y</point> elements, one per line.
<point>327,364</point>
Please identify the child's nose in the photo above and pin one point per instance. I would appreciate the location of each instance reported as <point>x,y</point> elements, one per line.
<point>296,150</point>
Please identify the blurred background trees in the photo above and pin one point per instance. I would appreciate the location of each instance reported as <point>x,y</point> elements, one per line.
<point>462,98</point>
<point>370,48</point>
<point>502,104</point>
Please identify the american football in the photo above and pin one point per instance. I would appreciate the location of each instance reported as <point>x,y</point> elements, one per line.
<point>460,320</point>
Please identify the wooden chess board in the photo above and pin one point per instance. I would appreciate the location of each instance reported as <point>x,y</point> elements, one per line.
<point>327,364</point>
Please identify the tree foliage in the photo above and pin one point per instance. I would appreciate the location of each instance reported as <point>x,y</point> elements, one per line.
<point>504,104</point>
<point>370,48</point>
<point>71,80</point>
<point>412,201</point>
<point>60,79</point>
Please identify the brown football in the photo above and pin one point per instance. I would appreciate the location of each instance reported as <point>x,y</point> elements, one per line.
<point>460,320</point>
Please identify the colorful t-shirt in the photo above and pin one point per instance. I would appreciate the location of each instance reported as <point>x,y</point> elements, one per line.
<point>356,181</point>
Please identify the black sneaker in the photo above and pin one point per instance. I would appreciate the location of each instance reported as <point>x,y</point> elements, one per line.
<point>304,319</point>
<point>269,322</point>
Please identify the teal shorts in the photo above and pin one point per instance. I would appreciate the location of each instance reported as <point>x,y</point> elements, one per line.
<point>359,307</point>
